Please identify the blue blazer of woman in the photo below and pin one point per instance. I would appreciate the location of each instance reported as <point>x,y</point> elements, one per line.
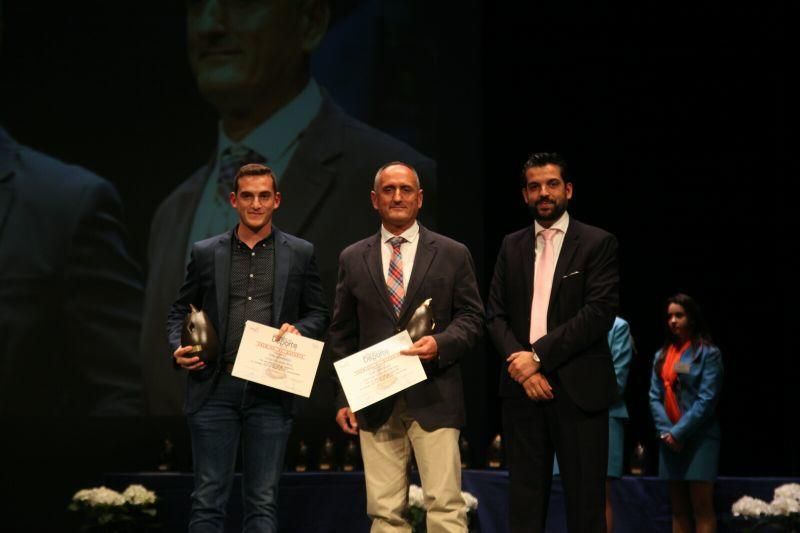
<point>620,343</point>
<point>699,383</point>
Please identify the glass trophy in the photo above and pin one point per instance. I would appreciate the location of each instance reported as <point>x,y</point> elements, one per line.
<point>350,461</point>
<point>327,456</point>
<point>301,462</point>
<point>494,456</point>
<point>463,449</point>
<point>638,460</point>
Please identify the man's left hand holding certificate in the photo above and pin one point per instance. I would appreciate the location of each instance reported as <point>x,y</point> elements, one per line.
<point>288,362</point>
<point>378,372</point>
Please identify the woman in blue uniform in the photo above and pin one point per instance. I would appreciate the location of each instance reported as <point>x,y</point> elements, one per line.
<point>685,388</point>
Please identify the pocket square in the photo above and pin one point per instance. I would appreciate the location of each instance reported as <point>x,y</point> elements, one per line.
<point>570,274</point>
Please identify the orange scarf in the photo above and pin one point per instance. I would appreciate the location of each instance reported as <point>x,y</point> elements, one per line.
<point>669,376</point>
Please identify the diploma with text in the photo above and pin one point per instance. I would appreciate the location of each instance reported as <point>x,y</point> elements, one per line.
<point>289,363</point>
<point>379,371</point>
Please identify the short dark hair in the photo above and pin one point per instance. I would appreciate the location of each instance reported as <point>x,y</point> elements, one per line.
<point>255,169</point>
<point>540,159</point>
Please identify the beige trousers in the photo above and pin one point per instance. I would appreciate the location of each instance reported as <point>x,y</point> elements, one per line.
<point>386,454</point>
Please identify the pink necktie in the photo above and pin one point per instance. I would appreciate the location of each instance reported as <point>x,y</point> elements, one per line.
<point>542,284</point>
<point>394,280</point>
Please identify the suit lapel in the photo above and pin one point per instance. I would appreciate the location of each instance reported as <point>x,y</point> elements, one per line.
<point>426,251</point>
<point>691,354</point>
<point>568,248</point>
<point>6,198</point>
<point>527,250</point>
<point>8,161</point>
<point>311,171</point>
<point>374,265</point>
<point>222,270</point>
<point>174,255</point>
<point>283,264</point>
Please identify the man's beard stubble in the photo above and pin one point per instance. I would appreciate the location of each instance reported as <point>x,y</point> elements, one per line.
<point>558,210</point>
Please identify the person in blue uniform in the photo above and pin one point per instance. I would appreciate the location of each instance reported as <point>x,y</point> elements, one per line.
<point>684,391</point>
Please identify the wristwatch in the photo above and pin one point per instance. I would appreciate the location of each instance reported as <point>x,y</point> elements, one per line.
<point>535,356</point>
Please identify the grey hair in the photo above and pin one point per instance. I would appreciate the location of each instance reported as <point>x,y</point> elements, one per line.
<point>391,164</point>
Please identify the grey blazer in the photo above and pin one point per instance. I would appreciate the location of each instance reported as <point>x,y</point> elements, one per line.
<point>444,271</point>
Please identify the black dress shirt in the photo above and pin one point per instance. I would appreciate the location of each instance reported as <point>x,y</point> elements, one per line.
<point>252,280</point>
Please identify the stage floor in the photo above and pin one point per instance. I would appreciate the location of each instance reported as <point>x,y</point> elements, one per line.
<point>334,502</point>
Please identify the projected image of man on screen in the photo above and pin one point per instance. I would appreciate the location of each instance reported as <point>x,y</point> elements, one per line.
<point>252,63</point>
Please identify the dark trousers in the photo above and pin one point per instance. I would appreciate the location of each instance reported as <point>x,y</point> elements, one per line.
<point>533,432</point>
<point>238,411</point>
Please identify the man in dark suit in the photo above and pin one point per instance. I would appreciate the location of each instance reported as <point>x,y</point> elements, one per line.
<point>252,63</point>
<point>552,301</point>
<point>382,280</point>
<point>254,272</point>
<point>70,304</point>
<point>70,295</point>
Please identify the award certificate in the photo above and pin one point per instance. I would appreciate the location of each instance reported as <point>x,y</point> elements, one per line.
<point>288,364</point>
<point>379,371</point>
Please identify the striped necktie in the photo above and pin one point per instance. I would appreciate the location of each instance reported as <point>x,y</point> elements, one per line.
<point>394,280</point>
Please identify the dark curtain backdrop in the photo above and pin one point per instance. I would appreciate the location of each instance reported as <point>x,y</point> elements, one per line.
<point>674,119</point>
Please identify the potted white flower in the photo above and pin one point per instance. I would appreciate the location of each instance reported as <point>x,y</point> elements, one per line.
<point>100,509</point>
<point>781,514</point>
<point>415,512</point>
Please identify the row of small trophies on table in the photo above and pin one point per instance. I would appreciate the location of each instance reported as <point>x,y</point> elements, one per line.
<point>329,459</point>
<point>349,460</point>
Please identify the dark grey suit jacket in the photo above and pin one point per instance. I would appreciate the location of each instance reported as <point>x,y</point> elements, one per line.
<point>297,299</point>
<point>583,304</point>
<point>443,270</point>
<point>325,200</point>
<point>70,295</point>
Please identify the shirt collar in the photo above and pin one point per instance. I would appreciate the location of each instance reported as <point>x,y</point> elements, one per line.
<point>273,137</point>
<point>237,243</point>
<point>561,224</point>
<point>410,235</point>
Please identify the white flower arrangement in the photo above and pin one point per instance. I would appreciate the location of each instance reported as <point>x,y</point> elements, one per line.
<point>782,511</point>
<point>416,507</point>
<point>138,495</point>
<point>470,501</point>
<point>101,507</point>
<point>416,498</point>
<point>749,507</point>
<point>784,507</point>
<point>99,496</point>
<point>789,490</point>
